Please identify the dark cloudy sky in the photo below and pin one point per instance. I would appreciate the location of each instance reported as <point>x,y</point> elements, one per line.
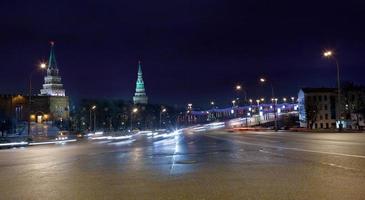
<point>192,50</point>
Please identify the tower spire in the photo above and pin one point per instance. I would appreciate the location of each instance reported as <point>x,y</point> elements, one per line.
<point>140,96</point>
<point>139,68</point>
<point>52,64</point>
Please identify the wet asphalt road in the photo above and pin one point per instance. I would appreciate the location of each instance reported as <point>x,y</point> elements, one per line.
<point>205,165</point>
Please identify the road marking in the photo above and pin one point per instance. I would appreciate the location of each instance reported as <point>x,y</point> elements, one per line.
<point>269,152</point>
<point>323,163</point>
<point>289,148</point>
<point>339,166</point>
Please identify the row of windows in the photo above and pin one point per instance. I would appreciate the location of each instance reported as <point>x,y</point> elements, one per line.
<point>323,107</point>
<point>318,98</point>
<point>324,125</point>
<point>325,117</point>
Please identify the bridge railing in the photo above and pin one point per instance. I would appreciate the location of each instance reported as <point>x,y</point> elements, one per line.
<point>251,113</point>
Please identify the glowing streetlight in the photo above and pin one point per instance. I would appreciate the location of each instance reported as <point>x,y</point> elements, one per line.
<point>330,54</point>
<point>41,66</point>
<point>327,53</point>
<point>134,110</point>
<point>240,88</point>
<point>284,99</point>
<point>264,80</point>
<point>262,99</point>
<point>92,108</point>
<point>292,98</point>
<point>161,112</point>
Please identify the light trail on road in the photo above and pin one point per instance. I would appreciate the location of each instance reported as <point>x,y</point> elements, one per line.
<point>288,148</point>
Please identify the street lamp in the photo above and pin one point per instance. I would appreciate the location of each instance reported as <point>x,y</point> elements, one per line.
<point>162,111</point>
<point>212,103</point>
<point>239,88</point>
<point>190,106</point>
<point>258,111</point>
<point>90,110</point>
<point>292,98</point>
<point>330,54</point>
<point>264,80</point>
<point>233,102</point>
<point>284,99</point>
<point>42,65</point>
<point>134,110</point>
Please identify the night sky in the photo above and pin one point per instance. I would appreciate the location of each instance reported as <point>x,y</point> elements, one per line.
<point>191,51</point>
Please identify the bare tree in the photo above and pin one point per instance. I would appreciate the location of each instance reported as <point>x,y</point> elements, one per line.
<point>354,100</point>
<point>312,108</point>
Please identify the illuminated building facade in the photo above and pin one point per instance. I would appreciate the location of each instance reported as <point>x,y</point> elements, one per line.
<point>318,108</point>
<point>44,110</point>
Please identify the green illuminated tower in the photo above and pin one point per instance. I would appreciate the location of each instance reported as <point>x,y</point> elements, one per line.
<point>140,96</point>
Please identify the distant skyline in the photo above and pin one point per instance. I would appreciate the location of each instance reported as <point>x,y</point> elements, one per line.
<point>191,51</point>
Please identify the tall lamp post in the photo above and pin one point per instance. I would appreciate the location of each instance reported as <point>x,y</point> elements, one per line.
<point>134,110</point>
<point>258,110</point>
<point>263,80</point>
<point>211,114</point>
<point>41,66</point>
<point>161,112</point>
<point>233,103</point>
<point>212,103</point>
<point>90,120</point>
<point>330,54</point>
<point>238,89</point>
<point>189,113</point>
<point>250,108</point>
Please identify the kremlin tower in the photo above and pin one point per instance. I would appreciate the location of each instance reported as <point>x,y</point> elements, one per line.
<point>140,96</point>
<point>52,82</point>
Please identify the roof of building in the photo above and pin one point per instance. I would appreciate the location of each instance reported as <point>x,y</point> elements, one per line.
<point>319,90</point>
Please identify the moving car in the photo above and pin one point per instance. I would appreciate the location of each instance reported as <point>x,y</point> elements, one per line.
<point>62,135</point>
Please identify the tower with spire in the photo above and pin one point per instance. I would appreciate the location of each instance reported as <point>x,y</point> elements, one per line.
<point>140,96</point>
<point>52,82</point>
